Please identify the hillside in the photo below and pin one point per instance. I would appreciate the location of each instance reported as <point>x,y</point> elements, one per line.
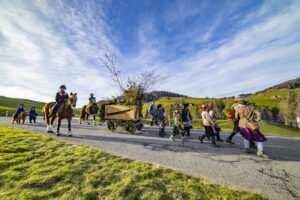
<point>10,105</point>
<point>266,99</point>
<point>155,95</point>
<point>291,84</point>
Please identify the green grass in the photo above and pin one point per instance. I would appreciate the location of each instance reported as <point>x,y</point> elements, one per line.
<point>265,127</point>
<point>33,166</point>
<point>10,105</point>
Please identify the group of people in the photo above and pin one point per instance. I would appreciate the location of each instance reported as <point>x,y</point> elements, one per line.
<point>32,113</point>
<point>60,98</point>
<point>244,116</point>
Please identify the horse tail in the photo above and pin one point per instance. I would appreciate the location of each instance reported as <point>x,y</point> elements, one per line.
<point>82,112</point>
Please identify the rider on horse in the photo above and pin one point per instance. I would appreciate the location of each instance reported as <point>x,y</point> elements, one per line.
<point>19,109</point>
<point>92,102</point>
<point>61,98</point>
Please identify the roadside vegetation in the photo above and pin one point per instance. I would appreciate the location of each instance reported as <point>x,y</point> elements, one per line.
<point>33,166</point>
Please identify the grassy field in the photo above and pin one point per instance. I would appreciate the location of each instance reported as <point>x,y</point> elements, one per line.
<point>264,99</point>
<point>265,127</point>
<point>33,166</point>
<point>10,105</point>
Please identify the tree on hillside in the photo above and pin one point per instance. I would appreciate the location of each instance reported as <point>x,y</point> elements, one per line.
<point>291,110</point>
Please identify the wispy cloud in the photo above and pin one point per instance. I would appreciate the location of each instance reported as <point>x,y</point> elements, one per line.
<point>206,49</point>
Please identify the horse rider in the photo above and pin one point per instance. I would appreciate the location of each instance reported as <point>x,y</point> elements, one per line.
<point>92,103</point>
<point>61,98</point>
<point>19,109</point>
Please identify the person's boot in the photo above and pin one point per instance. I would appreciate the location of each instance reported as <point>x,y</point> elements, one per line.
<point>261,154</point>
<point>228,140</point>
<point>201,138</point>
<point>163,132</point>
<point>213,142</point>
<point>219,139</point>
<point>172,138</point>
<point>151,123</point>
<point>247,150</point>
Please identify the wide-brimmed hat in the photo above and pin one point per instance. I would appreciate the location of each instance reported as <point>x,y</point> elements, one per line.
<point>238,98</point>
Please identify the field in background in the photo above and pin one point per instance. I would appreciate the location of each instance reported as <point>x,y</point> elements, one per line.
<point>33,166</point>
<point>10,105</point>
<point>269,98</point>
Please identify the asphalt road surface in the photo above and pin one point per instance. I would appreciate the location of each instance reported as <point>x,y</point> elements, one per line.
<point>277,177</point>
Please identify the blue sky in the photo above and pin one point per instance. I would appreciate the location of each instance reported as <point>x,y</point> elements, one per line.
<point>210,48</point>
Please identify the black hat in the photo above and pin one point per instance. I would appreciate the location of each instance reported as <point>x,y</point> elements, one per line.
<point>62,87</point>
<point>185,105</point>
<point>159,106</point>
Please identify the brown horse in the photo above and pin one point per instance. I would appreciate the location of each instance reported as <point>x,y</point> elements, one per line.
<point>84,114</point>
<point>65,111</point>
<point>21,116</point>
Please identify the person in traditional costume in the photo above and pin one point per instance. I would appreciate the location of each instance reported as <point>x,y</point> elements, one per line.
<point>212,114</point>
<point>178,127</point>
<point>60,98</point>
<point>186,119</point>
<point>91,104</point>
<point>231,115</point>
<point>152,112</point>
<point>208,125</point>
<point>248,117</point>
<point>161,119</point>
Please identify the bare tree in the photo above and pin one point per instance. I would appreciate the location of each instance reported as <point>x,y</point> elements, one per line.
<point>109,62</point>
<point>147,80</point>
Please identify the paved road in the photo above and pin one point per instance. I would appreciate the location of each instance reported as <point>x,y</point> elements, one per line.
<point>278,177</point>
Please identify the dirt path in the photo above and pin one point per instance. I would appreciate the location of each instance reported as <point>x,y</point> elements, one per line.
<point>278,177</point>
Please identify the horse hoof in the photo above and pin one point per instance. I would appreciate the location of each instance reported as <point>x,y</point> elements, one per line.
<point>57,134</point>
<point>50,131</point>
<point>70,135</point>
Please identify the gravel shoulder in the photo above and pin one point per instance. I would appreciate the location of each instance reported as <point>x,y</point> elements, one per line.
<point>277,177</point>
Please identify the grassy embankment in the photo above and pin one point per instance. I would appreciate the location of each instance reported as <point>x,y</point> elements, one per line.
<point>33,166</point>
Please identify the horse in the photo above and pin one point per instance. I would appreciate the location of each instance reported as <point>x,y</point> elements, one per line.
<point>84,115</point>
<point>65,111</point>
<point>21,116</point>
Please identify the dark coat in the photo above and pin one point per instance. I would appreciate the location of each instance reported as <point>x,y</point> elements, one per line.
<point>61,98</point>
<point>184,115</point>
<point>32,113</point>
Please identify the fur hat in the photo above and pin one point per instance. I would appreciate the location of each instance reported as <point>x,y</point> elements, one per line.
<point>63,87</point>
<point>159,106</point>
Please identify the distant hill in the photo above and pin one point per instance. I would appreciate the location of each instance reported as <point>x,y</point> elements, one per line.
<point>10,105</point>
<point>155,95</point>
<point>291,84</point>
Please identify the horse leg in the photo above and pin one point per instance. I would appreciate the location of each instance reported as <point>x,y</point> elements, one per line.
<point>58,126</point>
<point>94,121</point>
<point>50,124</point>
<point>69,127</point>
<point>87,119</point>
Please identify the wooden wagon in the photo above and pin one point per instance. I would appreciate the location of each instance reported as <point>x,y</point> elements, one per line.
<point>126,116</point>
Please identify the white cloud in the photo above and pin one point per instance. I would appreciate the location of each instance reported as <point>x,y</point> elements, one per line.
<point>46,44</point>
